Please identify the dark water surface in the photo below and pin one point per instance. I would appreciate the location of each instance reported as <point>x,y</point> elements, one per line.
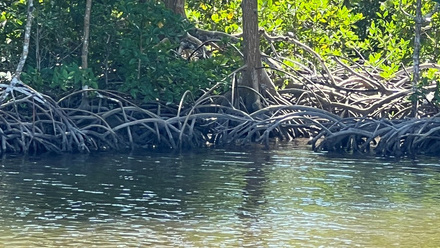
<point>285,197</point>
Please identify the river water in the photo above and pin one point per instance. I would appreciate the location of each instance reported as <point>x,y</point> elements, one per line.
<point>287,196</point>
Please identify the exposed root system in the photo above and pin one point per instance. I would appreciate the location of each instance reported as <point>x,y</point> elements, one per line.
<point>94,120</point>
<point>349,89</point>
<point>384,137</point>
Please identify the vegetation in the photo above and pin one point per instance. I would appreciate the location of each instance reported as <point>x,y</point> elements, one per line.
<point>140,74</point>
<point>132,49</point>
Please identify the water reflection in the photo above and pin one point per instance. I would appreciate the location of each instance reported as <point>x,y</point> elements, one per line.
<point>285,197</point>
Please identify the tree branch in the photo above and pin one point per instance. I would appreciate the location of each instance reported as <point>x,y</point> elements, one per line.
<point>404,12</point>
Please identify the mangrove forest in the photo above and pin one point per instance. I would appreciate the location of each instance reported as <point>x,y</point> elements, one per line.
<point>349,75</point>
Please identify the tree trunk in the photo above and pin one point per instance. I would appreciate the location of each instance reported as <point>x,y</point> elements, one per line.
<point>253,73</point>
<point>85,47</point>
<point>177,6</point>
<point>85,53</point>
<point>416,57</point>
<point>27,37</point>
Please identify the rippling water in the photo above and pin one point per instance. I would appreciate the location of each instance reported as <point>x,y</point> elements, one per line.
<point>285,197</point>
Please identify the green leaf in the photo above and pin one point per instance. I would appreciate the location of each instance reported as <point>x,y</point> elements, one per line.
<point>216,18</point>
<point>269,3</point>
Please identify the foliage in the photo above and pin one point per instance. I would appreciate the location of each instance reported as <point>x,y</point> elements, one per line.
<point>216,15</point>
<point>377,28</point>
<point>368,9</point>
<point>324,26</point>
<point>373,33</point>
<point>12,17</point>
<point>384,48</point>
<point>148,36</point>
<point>61,79</point>
<point>52,64</point>
<point>133,42</point>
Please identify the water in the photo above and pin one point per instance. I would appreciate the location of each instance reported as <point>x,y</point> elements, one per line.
<point>285,197</point>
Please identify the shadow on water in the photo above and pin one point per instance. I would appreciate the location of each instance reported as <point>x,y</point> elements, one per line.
<point>255,182</point>
<point>253,192</point>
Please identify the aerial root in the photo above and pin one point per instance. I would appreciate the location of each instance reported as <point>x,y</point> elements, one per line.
<point>383,137</point>
<point>92,119</point>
